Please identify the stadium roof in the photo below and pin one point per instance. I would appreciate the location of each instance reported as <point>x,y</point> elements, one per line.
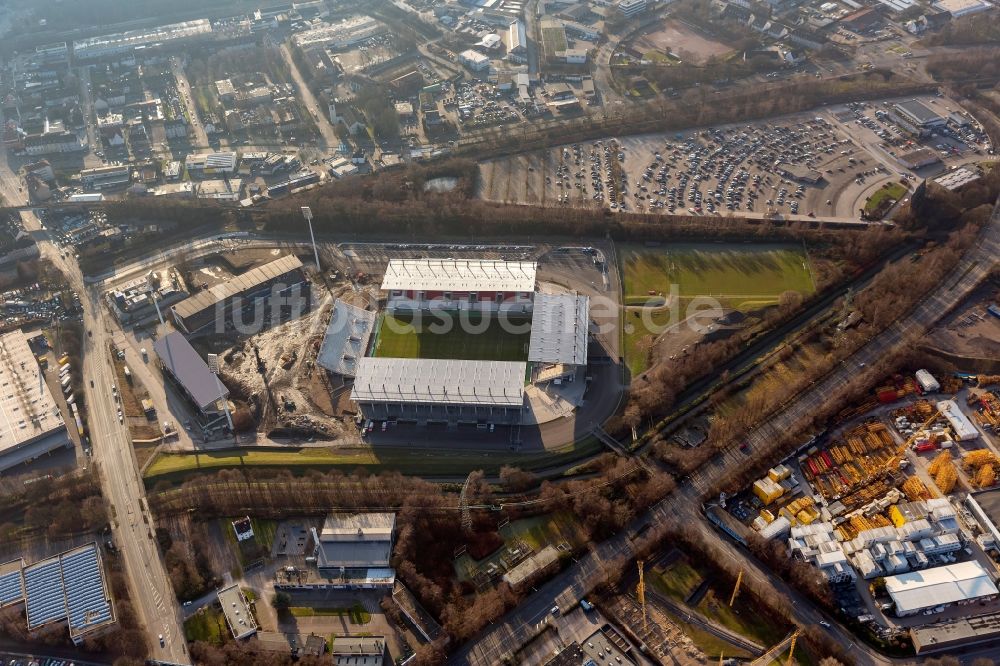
<point>440,381</point>
<point>27,410</point>
<point>459,275</point>
<point>189,369</point>
<point>559,325</point>
<point>346,340</point>
<point>942,585</point>
<point>238,285</point>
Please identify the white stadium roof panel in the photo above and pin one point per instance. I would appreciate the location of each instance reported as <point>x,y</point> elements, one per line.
<point>440,381</point>
<point>459,275</point>
<point>559,325</point>
<point>346,340</point>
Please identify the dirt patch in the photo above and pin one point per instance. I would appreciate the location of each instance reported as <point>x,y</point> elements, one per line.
<point>683,41</point>
<point>971,330</point>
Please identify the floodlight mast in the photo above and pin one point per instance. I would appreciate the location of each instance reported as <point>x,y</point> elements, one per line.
<point>308,214</point>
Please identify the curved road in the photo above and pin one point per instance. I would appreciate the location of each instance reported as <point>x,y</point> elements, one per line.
<point>506,636</point>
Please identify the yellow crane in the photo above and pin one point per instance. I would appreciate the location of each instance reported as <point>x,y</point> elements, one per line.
<point>736,588</point>
<point>791,649</point>
<point>640,591</point>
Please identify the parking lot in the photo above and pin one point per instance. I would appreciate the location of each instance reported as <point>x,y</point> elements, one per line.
<point>825,163</point>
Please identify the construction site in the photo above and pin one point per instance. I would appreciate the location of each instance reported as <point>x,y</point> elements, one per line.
<point>880,498</point>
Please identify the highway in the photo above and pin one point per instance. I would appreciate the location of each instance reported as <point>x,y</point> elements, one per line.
<point>132,527</point>
<point>505,637</point>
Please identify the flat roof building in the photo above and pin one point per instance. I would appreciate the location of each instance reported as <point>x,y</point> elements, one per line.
<point>191,373</point>
<point>959,422</point>
<point>917,117</point>
<point>532,569</point>
<point>216,304</point>
<point>356,548</point>
<point>237,610</point>
<point>30,421</point>
<point>11,583</point>
<point>347,337</point>
<point>919,158</point>
<point>958,8</point>
<point>474,60</point>
<point>440,390</point>
<point>958,632</point>
<point>347,32</point>
<point>209,163</point>
<point>69,587</point>
<point>957,178</point>
<point>942,586</point>
<point>117,43</point>
<point>358,650</point>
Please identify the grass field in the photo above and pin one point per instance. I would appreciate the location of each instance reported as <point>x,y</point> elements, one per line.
<point>356,613</point>
<point>893,191</point>
<point>739,276</point>
<point>398,338</point>
<point>208,625</point>
<point>408,460</point>
<point>634,356</point>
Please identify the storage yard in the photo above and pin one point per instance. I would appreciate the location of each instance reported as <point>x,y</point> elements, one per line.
<point>828,163</point>
<point>880,496</point>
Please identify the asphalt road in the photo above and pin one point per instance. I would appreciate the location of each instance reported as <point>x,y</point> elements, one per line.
<point>184,88</point>
<point>152,595</point>
<point>503,638</point>
<point>326,130</point>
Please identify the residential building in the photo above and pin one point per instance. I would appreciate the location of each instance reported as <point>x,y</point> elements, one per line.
<point>630,8</point>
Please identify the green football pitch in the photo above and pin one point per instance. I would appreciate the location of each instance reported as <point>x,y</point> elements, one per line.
<point>479,341</point>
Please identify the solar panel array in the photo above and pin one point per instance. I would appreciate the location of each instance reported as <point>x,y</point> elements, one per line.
<point>69,587</point>
<point>87,602</point>
<point>11,583</point>
<point>46,596</point>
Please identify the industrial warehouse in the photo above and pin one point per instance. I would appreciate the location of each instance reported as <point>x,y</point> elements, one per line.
<point>30,422</point>
<point>257,287</point>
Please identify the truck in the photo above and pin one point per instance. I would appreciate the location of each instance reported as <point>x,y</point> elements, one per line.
<point>586,605</point>
<point>128,375</point>
<point>144,354</point>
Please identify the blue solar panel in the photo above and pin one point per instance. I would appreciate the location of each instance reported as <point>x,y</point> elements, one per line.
<point>86,598</point>
<point>11,587</point>
<point>43,586</point>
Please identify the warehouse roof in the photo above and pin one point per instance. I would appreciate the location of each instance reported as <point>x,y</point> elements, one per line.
<point>559,325</point>
<point>957,178</point>
<point>221,292</point>
<point>346,339</point>
<point>918,111</point>
<point>237,611</point>
<point>27,410</point>
<point>459,275</point>
<point>440,381</point>
<point>942,585</point>
<point>189,369</point>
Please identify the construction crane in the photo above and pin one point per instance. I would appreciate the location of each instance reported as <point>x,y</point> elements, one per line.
<point>640,591</point>
<point>736,588</point>
<point>791,649</point>
<point>772,654</point>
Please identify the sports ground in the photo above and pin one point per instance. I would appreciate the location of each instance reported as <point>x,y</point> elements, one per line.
<point>738,275</point>
<point>485,341</point>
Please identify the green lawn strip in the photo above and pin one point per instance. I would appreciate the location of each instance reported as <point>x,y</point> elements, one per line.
<point>742,271</point>
<point>408,460</point>
<point>889,191</point>
<point>207,625</point>
<point>398,338</point>
<point>356,613</point>
<point>678,580</point>
<point>263,531</point>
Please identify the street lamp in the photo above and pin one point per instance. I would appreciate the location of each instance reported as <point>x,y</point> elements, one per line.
<point>308,214</point>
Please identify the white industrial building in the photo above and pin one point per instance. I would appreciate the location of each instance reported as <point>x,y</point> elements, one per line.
<point>236,608</point>
<point>958,8</point>
<point>516,40</point>
<point>115,44</point>
<point>347,32</point>
<point>917,117</point>
<point>31,424</point>
<point>961,583</point>
<point>927,382</point>
<point>210,163</point>
<point>474,60</point>
<point>959,422</point>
